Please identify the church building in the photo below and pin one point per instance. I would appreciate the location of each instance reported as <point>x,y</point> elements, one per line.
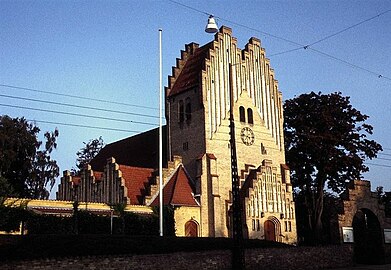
<point>197,165</point>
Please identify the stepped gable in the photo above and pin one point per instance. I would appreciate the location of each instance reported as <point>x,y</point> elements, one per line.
<point>179,190</point>
<point>249,181</point>
<point>135,179</point>
<point>141,150</point>
<point>187,73</point>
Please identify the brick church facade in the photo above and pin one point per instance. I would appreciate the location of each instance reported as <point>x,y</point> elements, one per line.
<point>197,173</point>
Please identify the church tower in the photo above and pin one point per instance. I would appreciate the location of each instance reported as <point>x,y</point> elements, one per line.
<point>197,112</point>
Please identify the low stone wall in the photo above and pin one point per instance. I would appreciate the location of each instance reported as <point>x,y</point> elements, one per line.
<point>271,258</point>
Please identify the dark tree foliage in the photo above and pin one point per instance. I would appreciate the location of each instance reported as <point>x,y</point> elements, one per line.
<point>6,190</point>
<point>87,153</point>
<point>333,205</point>
<point>45,170</point>
<point>168,219</point>
<point>384,198</point>
<point>27,170</point>
<point>326,146</point>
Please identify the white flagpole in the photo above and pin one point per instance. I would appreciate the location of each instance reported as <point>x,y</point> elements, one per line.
<point>160,137</point>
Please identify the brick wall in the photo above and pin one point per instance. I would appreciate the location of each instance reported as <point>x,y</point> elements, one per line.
<point>272,258</point>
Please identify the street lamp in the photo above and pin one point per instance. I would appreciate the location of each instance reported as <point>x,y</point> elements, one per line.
<point>238,260</point>
<point>211,26</point>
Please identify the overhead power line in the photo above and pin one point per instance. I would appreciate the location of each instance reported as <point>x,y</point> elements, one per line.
<point>78,114</point>
<point>82,126</point>
<point>379,165</point>
<point>78,97</point>
<point>235,23</point>
<point>350,64</point>
<point>78,106</point>
<point>301,46</point>
<point>348,28</point>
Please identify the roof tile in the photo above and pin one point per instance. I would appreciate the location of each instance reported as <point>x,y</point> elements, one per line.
<point>178,190</point>
<point>136,179</point>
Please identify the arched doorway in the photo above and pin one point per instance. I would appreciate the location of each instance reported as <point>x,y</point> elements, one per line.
<point>270,231</point>
<point>191,229</point>
<point>368,240</point>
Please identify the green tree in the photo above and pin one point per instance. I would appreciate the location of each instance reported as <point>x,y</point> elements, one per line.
<point>326,146</point>
<point>45,170</point>
<point>87,153</point>
<point>25,168</point>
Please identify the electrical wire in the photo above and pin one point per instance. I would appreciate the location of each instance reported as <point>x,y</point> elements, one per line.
<point>350,64</point>
<point>331,35</point>
<point>74,96</point>
<point>77,114</point>
<point>78,106</point>
<point>379,165</point>
<point>348,28</point>
<point>301,46</point>
<point>235,23</point>
<point>82,126</point>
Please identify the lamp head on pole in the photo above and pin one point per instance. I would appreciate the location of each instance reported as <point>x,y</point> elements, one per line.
<point>211,26</point>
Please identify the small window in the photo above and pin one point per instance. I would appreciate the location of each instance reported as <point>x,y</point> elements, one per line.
<point>185,146</point>
<point>263,149</point>
<point>188,109</point>
<point>250,119</point>
<point>181,111</point>
<point>242,115</point>
<point>286,226</point>
<point>253,224</point>
<point>289,226</point>
<point>258,225</point>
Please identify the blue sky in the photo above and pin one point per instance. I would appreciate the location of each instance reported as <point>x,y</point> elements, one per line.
<point>109,50</point>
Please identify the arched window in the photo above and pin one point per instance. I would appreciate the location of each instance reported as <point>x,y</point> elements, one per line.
<point>181,111</point>
<point>242,115</point>
<point>188,109</point>
<point>250,119</point>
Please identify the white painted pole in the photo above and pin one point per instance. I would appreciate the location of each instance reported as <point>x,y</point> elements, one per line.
<point>160,137</point>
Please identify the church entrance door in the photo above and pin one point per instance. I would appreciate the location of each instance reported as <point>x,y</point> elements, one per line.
<point>270,231</point>
<point>191,229</point>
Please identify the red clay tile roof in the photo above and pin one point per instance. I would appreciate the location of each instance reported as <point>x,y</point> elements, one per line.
<point>135,181</point>
<point>141,150</point>
<point>178,191</point>
<point>98,176</point>
<point>76,180</point>
<point>190,74</point>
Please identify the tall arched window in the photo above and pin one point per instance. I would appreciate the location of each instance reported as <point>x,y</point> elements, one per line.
<point>181,111</point>
<point>188,109</point>
<point>242,115</point>
<point>250,119</point>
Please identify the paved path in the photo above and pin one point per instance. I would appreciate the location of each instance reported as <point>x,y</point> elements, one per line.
<point>367,267</point>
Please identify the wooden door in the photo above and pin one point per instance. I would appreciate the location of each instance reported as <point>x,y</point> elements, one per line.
<point>270,231</point>
<point>191,229</point>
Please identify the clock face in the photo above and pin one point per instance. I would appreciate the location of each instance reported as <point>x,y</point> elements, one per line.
<point>247,136</point>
